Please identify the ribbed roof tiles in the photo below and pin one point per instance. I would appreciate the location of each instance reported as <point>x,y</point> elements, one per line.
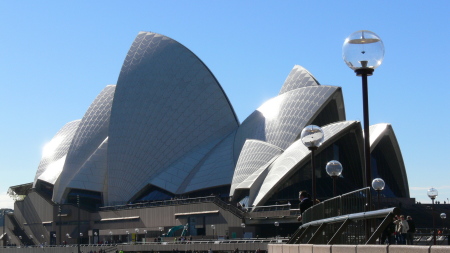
<point>167,103</point>
<point>54,154</point>
<point>91,133</point>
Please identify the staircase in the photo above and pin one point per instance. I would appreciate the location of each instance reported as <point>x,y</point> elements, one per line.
<point>18,231</point>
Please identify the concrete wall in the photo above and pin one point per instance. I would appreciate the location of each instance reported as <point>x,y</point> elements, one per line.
<point>34,211</point>
<point>310,248</point>
<point>250,247</point>
<point>169,247</point>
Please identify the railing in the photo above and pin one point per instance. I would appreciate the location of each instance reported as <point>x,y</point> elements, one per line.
<point>352,202</point>
<point>177,243</point>
<point>343,220</point>
<point>160,203</point>
<point>214,199</point>
<point>271,208</point>
<point>230,208</point>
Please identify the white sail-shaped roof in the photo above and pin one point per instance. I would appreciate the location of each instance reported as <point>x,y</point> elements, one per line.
<point>167,104</point>
<point>253,156</point>
<point>298,78</point>
<point>284,166</point>
<point>384,131</point>
<point>91,133</point>
<point>280,120</point>
<point>54,154</point>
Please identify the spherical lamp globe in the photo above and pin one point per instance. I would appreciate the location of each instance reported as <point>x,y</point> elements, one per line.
<point>334,168</point>
<point>432,193</point>
<point>378,184</point>
<point>363,49</point>
<point>312,136</point>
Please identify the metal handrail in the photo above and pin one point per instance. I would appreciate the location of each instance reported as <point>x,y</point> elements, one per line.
<point>354,216</point>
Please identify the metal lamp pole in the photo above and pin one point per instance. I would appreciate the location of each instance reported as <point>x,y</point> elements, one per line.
<point>4,225</point>
<point>432,194</point>
<point>137,234</point>
<point>243,230</point>
<point>60,225</point>
<point>312,137</point>
<point>214,231</point>
<point>277,224</point>
<point>443,217</point>
<point>334,170</point>
<point>78,234</point>
<point>363,52</point>
<point>378,185</point>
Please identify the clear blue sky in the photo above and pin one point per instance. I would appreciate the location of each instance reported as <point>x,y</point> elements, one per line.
<point>56,56</point>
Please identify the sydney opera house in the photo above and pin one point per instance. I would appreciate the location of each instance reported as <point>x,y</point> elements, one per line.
<point>163,148</point>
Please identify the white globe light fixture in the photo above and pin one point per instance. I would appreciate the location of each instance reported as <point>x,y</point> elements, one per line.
<point>363,49</point>
<point>312,137</point>
<point>432,193</point>
<point>334,170</point>
<point>378,184</point>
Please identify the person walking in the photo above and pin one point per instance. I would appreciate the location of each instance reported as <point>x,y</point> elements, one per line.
<point>403,229</point>
<point>305,203</point>
<point>387,237</point>
<point>411,231</point>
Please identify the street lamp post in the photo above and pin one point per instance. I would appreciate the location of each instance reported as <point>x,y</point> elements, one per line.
<point>243,230</point>
<point>363,51</point>
<point>277,224</point>
<point>443,217</point>
<point>79,232</point>
<point>4,225</point>
<point>128,236</point>
<point>312,137</point>
<point>334,170</point>
<point>160,232</point>
<point>60,225</point>
<point>378,185</point>
<point>432,194</point>
<point>213,227</point>
<point>185,229</point>
<point>145,235</point>
<point>137,233</point>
